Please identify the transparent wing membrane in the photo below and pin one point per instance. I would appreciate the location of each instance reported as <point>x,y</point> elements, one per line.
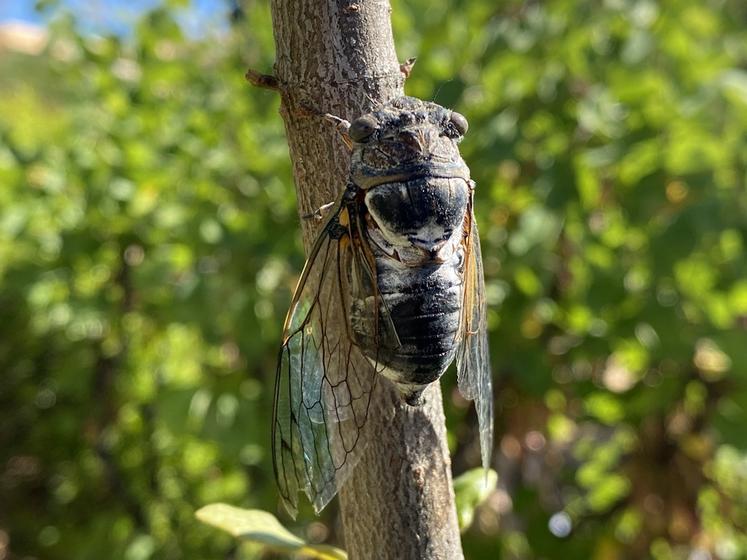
<point>324,383</point>
<point>473,358</point>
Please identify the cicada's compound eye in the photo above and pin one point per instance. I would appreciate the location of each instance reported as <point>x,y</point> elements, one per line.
<point>460,122</point>
<point>362,128</point>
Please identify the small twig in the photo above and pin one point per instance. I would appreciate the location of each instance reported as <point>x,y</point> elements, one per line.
<point>266,81</point>
<point>406,66</point>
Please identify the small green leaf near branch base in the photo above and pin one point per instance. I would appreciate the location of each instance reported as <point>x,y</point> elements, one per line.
<point>262,527</point>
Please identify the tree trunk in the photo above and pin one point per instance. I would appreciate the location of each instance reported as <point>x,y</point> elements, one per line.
<point>338,57</point>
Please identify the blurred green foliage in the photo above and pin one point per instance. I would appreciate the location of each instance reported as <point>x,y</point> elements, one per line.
<point>149,243</point>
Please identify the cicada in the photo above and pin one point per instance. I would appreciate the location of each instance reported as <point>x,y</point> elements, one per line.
<point>393,288</point>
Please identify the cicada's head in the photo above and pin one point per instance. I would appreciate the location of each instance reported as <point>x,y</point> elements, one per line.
<point>407,138</point>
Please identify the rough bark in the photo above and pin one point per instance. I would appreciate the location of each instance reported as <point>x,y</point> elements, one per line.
<point>338,57</point>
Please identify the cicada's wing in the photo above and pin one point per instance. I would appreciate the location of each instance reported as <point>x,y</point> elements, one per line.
<point>323,383</point>
<point>473,358</point>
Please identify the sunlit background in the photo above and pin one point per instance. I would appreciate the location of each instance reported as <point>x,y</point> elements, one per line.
<point>149,242</point>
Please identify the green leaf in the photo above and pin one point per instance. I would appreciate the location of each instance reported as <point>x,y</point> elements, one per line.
<point>471,489</point>
<point>262,527</point>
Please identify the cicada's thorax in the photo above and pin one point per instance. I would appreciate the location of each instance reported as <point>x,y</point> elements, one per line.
<point>414,194</point>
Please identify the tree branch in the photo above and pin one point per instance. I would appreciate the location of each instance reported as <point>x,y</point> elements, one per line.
<point>338,57</point>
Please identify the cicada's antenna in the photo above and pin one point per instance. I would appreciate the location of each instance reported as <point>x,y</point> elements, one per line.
<point>342,127</point>
<point>440,87</point>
